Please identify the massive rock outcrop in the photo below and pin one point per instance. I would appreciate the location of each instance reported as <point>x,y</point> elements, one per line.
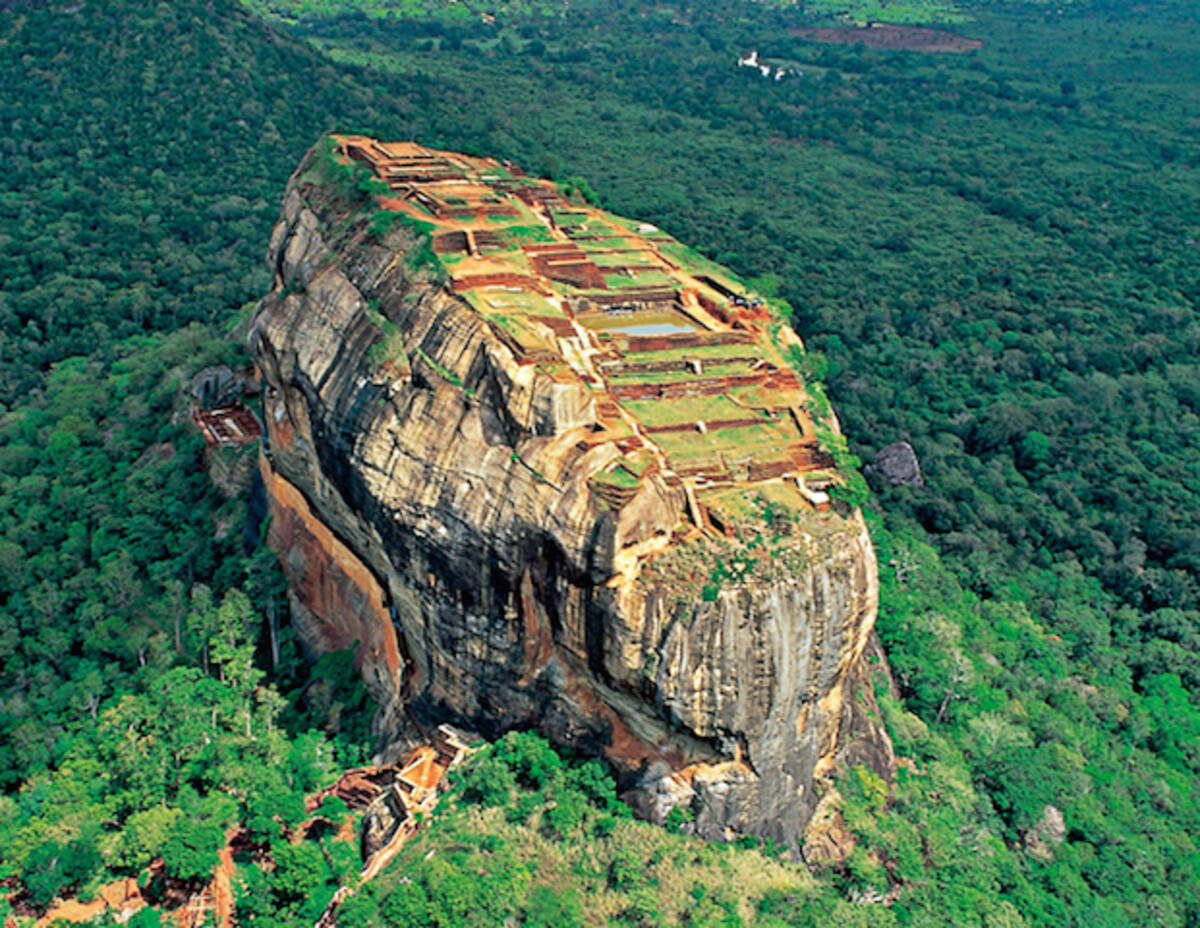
<point>462,484</point>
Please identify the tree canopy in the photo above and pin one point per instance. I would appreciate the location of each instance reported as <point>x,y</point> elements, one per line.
<point>994,252</point>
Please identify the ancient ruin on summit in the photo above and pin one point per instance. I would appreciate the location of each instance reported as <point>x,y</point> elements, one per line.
<point>689,367</point>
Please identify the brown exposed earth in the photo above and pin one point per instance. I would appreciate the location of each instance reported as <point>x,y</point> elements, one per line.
<point>888,36</point>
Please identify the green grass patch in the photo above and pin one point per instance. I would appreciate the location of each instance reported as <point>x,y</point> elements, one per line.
<point>351,181</point>
<point>390,346</point>
<point>603,258</point>
<point>420,255</point>
<point>677,375</point>
<point>618,476</point>
<point>639,279</point>
<point>523,303</point>
<point>882,11</point>
<point>691,260</point>
<point>516,236</point>
<point>569,217</point>
<point>760,442</point>
<point>608,241</point>
<point>702,352</point>
<point>684,409</point>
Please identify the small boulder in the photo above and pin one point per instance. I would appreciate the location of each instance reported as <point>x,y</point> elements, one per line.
<point>215,386</point>
<point>897,464</point>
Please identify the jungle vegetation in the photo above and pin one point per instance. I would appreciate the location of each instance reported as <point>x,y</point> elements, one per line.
<point>996,253</point>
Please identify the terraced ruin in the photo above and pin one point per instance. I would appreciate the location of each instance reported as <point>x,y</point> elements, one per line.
<point>690,367</point>
<point>545,467</point>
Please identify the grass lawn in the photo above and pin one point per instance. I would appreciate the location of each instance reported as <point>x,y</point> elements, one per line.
<point>684,409</point>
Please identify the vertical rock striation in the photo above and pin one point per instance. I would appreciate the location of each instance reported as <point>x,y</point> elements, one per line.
<point>439,507</point>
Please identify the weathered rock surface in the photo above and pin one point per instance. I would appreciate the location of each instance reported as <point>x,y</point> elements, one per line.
<point>827,840</point>
<point>443,519</point>
<point>897,464</point>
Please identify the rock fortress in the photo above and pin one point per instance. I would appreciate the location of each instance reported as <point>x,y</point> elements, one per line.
<point>546,467</point>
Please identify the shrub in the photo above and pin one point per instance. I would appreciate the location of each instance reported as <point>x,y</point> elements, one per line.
<point>529,756</point>
<point>54,866</point>
<point>190,853</point>
<point>489,781</point>
<point>678,817</point>
<point>548,907</point>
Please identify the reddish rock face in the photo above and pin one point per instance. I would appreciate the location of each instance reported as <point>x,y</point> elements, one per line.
<point>435,497</point>
<point>336,600</point>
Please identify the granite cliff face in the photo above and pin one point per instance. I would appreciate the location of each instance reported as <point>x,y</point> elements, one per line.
<point>510,538</point>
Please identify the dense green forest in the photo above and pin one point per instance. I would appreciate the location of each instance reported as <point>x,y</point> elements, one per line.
<point>135,702</point>
<point>995,252</point>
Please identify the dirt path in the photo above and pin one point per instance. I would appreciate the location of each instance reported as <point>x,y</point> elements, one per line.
<point>72,910</point>
<point>222,885</point>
